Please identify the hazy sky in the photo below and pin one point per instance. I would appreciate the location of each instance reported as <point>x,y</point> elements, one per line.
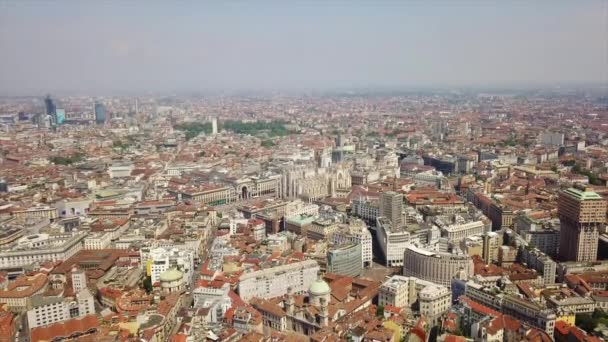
<point>110,46</point>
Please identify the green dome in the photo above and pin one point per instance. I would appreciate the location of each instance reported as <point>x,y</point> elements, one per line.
<point>319,287</point>
<point>171,275</point>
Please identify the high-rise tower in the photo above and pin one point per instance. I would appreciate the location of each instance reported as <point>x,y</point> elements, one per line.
<point>582,215</point>
<point>100,113</point>
<point>214,126</point>
<point>391,207</point>
<point>51,109</point>
<point>49,105</point>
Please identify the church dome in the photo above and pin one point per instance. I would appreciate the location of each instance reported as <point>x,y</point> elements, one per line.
<point>319,288</point>
<point>171,275</point>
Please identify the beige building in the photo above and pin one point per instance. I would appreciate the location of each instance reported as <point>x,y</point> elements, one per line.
<point>435,300</point>
<point>436,267</point>
<point>44,212</point>
<point>398,291</point>
<point>274,282</point>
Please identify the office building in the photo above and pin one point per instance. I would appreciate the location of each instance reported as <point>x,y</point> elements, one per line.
<point>48,310</point>
<point>458,231</point>
<point>356,232</point>
<point>214,130</point>
<point>491,242</point>
<point>552,138</point>
<point>100,113</point>
<point>79,279</point>
<point>345,260</point>
<point>50,108</point>
<point>393,240</point>
<point>436,267</point>
<point>366,209</point>
<point>274,282</point>
<point>582,216</point>
<point>391,207</point>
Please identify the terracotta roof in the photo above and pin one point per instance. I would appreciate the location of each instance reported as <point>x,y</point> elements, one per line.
<point>7,321</point>
<point>24,286</point>
<point>266,306</point>
<point>479,307</point>
<point>65,328</point>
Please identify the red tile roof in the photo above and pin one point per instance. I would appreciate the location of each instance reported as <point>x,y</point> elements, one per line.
<point>65,329</point>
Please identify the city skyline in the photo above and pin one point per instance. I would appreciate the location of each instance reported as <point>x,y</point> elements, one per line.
<point>115,47</point>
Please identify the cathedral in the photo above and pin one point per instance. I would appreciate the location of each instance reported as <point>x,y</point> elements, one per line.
<point>313,183</point>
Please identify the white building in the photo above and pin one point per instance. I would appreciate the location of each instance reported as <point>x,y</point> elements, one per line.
<point>215,298</point>
<point>392,241</point>
<point>100,240</point>
<point>40,248</point>
<point>48,310</point>
<point>120,170</point>
<point>209,293</point>
<point>456,232</point>
<point>72,207</point>
<point>435,300</point>
<point>161,259</point>
<point>214,126</point>
<point>79,280</point>
<point>273,282</point>
<point>356,232</point>
<point>37,212</point>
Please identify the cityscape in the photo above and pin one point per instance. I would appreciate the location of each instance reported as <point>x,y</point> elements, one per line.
<point>279,211</point>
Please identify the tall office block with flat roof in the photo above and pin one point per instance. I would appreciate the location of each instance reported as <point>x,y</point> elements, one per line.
<point>582,215</point>
<point>100,113</point>
<point>391,207</point>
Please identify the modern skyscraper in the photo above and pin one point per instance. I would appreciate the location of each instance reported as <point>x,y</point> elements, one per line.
<point>582,215</point>
<point>51,109</point>
<point>214,126</point>
<point>49,105</point>
<point>391,207</point>
<point>100,113</point>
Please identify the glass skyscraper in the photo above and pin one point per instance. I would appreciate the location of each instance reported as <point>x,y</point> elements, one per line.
<point>100,113</point>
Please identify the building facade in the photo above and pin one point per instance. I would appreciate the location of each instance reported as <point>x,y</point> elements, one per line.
<point>356,231</point>
<point>391,207</point>
<point>434,301</point>
<point>582,215</point>
<point>345,260</point>
<point>274,282</point>
<point>393,241</point>
<point>436,267</point>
